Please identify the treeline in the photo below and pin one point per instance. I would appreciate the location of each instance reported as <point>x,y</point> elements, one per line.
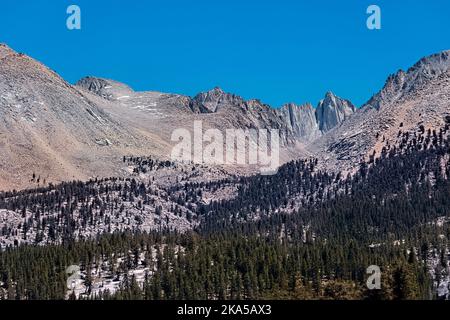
<point>300,234</point>
<point>392,195</point>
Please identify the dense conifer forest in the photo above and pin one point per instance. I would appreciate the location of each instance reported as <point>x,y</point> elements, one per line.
<point>300,234</point>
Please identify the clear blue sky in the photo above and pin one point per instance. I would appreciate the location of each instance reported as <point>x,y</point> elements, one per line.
<point>277,51</point>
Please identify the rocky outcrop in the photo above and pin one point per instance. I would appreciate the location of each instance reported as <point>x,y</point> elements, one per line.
<point>107,89</point>
<point>214,100</point>
<point>419,97</point>
<point>95,85</point>
<point>332,111</point>
<point>296,122</point>
<point>402,83</point>
<point>307,123</point>
<point>301,120</point>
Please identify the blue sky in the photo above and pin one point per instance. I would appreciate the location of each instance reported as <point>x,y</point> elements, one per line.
<point>277,51</point>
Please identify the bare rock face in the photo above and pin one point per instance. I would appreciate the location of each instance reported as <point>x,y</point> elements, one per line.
<point>214,100</point>
<point>403,83</point>
<point>301,121</point>
<point>308,124</point>
<point>332,111</point>
<point>419,97</point>
<point>107,89</point>
<point>297,123</point>
<point>95,85</point>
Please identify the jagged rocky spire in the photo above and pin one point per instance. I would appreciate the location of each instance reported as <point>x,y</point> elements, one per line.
<point>332,111</point>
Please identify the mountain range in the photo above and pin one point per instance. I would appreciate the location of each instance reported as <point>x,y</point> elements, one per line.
<point>58,131</point>
<point>96,188</point>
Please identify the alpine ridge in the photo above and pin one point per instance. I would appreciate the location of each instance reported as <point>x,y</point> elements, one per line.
<point>50,128</point>
<point>418,99</point>
<point>62,131</point>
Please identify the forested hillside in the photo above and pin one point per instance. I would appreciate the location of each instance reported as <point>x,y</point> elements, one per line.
<point>300,234</point>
